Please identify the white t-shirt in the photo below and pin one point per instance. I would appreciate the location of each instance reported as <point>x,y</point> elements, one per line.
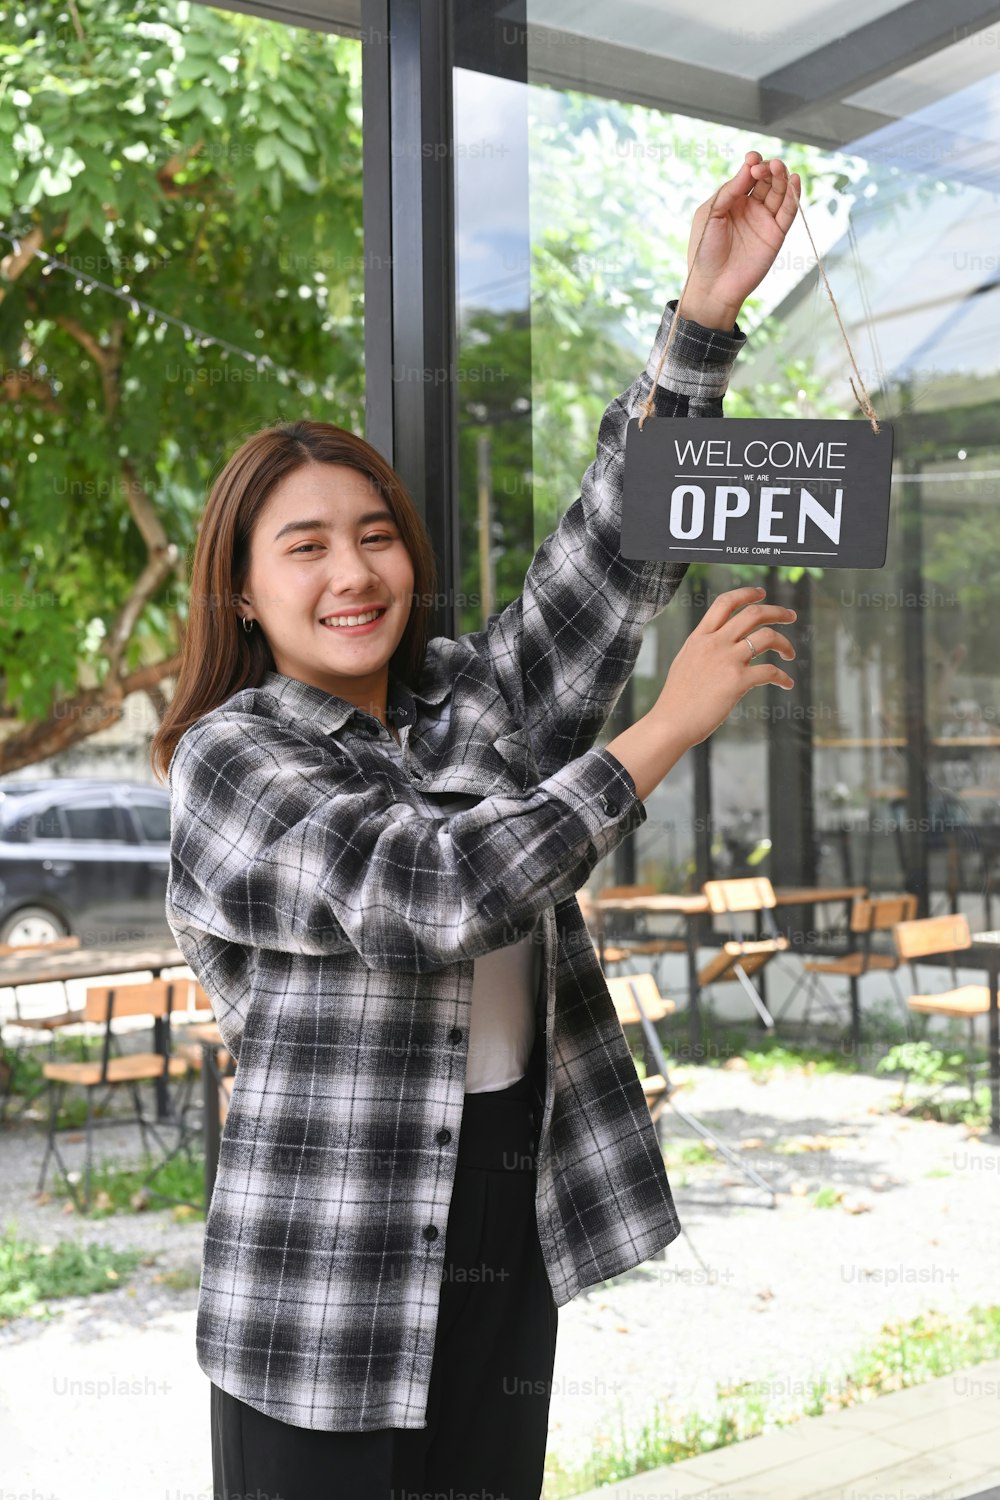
<point>504,986</point>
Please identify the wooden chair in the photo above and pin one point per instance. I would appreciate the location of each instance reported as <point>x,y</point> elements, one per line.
<point>613,954</point>
<point>637,999</point>
<point>202,1014</point>
<point>870,915</point>
<point>651,1007</point>
<point>629,930</point>
<point>222,1064</point>
<point>68,1016</point>
<point>742,955</point>
<point>104,1004</point>
<point>939,935</point>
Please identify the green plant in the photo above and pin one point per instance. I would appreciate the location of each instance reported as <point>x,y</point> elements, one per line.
<point>936,1070</point>
<point>32,1273</point>
<point>119,1189</point>
<point>689,1154</point>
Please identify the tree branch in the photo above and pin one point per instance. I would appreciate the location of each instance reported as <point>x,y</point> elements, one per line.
<point>16,385</point>
<point>159,567</point>
<point>106,358</point>
<point>16,262</point>
<point>75,719</point>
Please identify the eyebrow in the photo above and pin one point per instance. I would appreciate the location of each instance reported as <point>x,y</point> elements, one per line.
<point>365,520</point>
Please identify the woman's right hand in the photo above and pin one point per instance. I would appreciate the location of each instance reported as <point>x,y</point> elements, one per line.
<point>713,669</point>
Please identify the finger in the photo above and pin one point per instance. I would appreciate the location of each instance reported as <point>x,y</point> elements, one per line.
<point>764,638</point>
<point>722,607</point>
<point>776,188</point>
<point>761,674</point>
<point>730,192</point>
<point>790,204</point>
<point>754,616</point>
<point>761,174</point>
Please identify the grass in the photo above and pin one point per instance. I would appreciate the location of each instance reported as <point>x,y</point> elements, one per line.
<point>935,1065</point>
<point>904,1354</point>
<point>32,1274</point>
<point>689,1154</point>
<point>116,1189</point>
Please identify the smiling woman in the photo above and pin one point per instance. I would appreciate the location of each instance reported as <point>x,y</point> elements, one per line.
<point>306,523</point>
<point>436,1135</point>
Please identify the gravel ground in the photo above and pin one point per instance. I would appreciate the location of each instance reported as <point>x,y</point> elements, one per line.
<point>778,1296</point>
<point>772,1296</point>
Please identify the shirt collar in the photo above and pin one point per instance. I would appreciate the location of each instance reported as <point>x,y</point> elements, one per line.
<point>330,712</point>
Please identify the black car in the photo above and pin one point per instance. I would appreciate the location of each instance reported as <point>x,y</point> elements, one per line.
<point>85,856</point>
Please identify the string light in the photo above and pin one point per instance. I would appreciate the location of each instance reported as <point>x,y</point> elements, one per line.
<point>86,283</point>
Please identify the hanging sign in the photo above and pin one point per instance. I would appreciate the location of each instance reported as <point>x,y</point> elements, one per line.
<point>772,492</point>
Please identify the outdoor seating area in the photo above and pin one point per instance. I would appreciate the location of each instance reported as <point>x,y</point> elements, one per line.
<point>177,1068</point>
<point>181,1070</point>
<point>751,910</point>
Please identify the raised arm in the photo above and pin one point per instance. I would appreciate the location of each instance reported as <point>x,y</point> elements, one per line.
<point>564,649</point>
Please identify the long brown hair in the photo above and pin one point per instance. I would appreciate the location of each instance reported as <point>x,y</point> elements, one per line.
<point>218,656</point>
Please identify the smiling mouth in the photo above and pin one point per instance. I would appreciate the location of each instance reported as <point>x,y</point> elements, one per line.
<point>368,623</point>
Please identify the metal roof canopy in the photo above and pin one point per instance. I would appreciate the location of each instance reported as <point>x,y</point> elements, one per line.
<point>809,72</point>
<point>688,57</point>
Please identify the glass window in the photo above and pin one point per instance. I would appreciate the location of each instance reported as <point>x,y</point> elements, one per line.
<point>49,825</point>
<point>94,821</point>
<point>154,821</point>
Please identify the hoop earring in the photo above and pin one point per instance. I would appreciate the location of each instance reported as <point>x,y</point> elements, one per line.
<point>247,624</point>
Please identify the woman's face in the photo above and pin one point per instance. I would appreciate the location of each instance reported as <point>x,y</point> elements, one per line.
<point>318,549</point>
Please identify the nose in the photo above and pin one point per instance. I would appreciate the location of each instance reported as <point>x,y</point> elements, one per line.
<point>351,572</point>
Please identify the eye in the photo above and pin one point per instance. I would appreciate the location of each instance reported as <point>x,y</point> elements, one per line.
<point>373,536</point>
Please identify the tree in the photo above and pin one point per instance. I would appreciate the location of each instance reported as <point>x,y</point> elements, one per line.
<point>154,155</point>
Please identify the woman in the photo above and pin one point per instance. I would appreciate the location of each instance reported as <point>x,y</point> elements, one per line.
<point>436,1135</point>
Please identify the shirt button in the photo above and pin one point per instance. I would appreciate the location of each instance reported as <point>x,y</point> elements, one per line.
<point>416,774</point>
<point>610,805</point>
<point>455,1034</point>
<point>430,1233</point>
<point>443,1137</point>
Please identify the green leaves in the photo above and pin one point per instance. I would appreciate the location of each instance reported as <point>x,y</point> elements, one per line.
<point>137,157</point>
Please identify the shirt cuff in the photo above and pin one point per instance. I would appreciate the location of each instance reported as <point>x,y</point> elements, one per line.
<point>598,788</point>
<point>699,361</point>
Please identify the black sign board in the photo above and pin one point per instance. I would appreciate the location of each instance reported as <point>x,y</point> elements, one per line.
<point>732,489</point>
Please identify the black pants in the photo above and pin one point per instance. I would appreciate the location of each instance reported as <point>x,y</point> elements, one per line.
<point>491,1375</point>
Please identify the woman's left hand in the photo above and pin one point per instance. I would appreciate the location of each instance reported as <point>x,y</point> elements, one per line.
<point>747,223</point>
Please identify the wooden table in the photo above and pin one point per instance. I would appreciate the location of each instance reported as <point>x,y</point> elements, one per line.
<point>687,907</point>
<point>98,963</point>
<point>694,906</point>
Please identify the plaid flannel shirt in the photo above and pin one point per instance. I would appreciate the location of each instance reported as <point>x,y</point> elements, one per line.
<point>333,915</point>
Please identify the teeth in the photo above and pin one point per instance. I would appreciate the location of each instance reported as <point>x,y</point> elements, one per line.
<point>352,619</point>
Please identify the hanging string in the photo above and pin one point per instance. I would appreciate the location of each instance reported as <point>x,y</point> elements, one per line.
<point>306,384</point>
<point>866,307</point>
<point>862,397</point>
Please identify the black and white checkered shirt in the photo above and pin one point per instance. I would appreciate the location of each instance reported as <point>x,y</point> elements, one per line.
<point>333,915</point>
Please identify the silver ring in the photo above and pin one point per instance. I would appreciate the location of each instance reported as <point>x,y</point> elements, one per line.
<point>753,648</point>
